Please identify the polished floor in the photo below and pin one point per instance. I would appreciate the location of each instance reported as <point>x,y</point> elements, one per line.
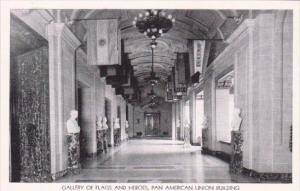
<point>154,161</point>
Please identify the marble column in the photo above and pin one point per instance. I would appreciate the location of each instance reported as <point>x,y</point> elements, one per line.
<point>62,45</point>
<point>173,122</point>
<point>193,116</point>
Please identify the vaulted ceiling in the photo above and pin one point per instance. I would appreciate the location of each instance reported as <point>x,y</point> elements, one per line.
<point>190,24</point>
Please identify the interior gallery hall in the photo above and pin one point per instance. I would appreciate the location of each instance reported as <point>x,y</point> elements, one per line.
<point>151,95</point>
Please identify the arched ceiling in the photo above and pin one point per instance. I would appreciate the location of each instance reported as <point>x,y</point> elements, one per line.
<point>190,24</point>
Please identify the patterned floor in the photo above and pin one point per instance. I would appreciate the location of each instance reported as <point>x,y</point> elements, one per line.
<point>154,161</point>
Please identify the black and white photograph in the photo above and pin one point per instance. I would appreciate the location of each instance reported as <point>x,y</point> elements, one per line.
<point>150,95</point>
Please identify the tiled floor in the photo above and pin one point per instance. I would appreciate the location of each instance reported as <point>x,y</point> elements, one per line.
<point>154,161</point>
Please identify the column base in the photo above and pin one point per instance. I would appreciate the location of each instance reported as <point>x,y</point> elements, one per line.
<point>59,174</point>
<point>74,170</point>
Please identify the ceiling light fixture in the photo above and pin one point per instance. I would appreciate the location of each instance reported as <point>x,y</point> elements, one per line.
<point>152,79</point>
<point>153,23</point>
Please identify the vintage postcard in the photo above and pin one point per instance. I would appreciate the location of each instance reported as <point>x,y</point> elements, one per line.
<point>149,95</point>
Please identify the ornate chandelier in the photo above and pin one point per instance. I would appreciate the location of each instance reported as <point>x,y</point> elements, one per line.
<point>153,23</point>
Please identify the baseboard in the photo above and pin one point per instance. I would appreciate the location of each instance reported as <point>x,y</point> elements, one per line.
<point>267,176</point>
<point>196,144</point>
<point>219,154</point>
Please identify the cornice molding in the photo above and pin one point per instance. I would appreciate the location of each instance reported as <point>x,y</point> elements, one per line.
<point>62,31</point>
<point>246,25</point>
<point>238,34</point>
<point>37,19</point>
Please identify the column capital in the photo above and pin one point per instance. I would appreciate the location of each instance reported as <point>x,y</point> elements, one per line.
<point>62,31</point>
<point>246,25</point>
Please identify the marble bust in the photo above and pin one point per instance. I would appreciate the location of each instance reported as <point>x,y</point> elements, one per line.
<point>178,123</point>
<point>104,124</point>
<point>99,123</point>
<point>126,124</point>
<point>205,122</point>
<point>237,120</point>
<point>72,125</point>
<point>186,126</point>
<point>117,123</point>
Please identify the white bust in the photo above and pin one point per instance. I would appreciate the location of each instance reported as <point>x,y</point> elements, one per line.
<point>72,125</point>
<point>126,124</point>
<point>99,123</point>
<point>178,123</point>
<point>237,120</point>
<point>186,124</point>
<point>116,123</point>
<point>104,124</point>
<point>205,122</point>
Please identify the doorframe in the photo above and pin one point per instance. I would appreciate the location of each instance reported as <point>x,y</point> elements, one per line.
<point>145,113</point>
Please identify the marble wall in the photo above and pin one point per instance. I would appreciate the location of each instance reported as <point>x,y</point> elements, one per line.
<point>259,50</point>
<point>30,92</point>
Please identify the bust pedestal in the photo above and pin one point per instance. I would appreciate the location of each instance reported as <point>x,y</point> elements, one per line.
<point>236,163</point>
<point>101,141</point>
<point>73,152</point>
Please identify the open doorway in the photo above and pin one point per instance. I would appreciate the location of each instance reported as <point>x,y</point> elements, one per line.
<point>224,106</point>
<point>84,114</point>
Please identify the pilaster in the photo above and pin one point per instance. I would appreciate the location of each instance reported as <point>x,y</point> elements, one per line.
<point>62,46</point>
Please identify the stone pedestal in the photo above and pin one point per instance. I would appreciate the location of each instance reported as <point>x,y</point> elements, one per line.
<point>236,163</point>
<point>73,152</point>
<point>101,141</point>
<point>204,140</point>
<point>117,137</point>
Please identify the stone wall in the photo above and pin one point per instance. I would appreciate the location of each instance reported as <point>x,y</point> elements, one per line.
<point>30,115</point>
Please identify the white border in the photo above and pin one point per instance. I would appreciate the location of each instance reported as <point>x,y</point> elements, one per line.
<point>117,4</point>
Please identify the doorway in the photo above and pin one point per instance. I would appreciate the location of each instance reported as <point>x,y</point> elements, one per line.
<point>152,124</point>
<point>83,108</point>
<point>224,106</point>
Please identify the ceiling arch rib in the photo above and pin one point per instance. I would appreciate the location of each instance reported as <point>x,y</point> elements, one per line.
<point>147,66</point>
<point>140,54</point>
<point>133,34</point>
<point>144,72</point>
<point>162,44</point>
<point>148,59</point>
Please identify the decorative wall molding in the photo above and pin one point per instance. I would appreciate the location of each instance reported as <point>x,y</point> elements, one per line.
<point>248,23</point>
<point>60,30</point>
<point>37,19</point>
<point>238,34</point>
